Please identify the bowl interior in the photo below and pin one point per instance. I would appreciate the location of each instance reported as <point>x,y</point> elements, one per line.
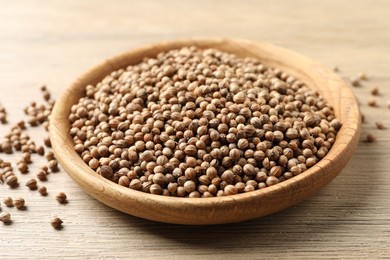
<point>218,209</point>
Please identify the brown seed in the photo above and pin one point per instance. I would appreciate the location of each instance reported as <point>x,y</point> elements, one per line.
<point>32,184</point>
<point>362,76</point>
<point>189,186</point>
<point>375,91</point>
<point>371,138</point>
<point>12,181</point>
<point>22,167</point>
<point>8,202</point>
<point>53,165</point>
<point>271,180</point>
<point>5,217</point>
<point>355,81</point>
<point>42,175</point>
<point>47,141</point>
<point>61,198</point>
<point>380,125</point>
<point>230,190</point>
<point>19,203</point>
<point>42,190</point>
<point>56,223</point>
<point>106,172</point>
<point>372,103</point>
<point>135,184</point>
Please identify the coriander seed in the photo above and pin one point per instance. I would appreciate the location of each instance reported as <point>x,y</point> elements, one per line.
<point>371,138</point>
<point>61,198</point>
<point>8,202</point>
<point>56,223</point>
<point>19,203</point>
<point>5,217</point>
<point>42,190</point>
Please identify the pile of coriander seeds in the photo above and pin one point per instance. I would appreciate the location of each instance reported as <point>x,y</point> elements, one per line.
<point>201,123</point>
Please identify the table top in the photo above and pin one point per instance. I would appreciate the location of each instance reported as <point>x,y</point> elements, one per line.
<point>53,42</point>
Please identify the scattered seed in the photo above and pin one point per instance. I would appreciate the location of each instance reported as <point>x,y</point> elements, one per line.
<point>371,138</point>
<point>61,198</point>
<point>375,91</point>
<point>372,103</point>
<point>32,184</point>
<point>362,76</point>
<point>56,223</point>
<point>42,190</point>
<point>5,217</point>
<point>8,202</point>
<point>380,125</point>
<point>355,81</point>
<point>19,203</point>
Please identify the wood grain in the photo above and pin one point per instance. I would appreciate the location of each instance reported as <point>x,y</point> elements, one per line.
<point>219,210</point>
<point>53,42</point>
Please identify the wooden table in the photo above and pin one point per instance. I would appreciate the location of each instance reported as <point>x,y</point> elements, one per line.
<point>52,42</point>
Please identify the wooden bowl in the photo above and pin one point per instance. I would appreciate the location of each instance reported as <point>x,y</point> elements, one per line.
<point>203,211</point>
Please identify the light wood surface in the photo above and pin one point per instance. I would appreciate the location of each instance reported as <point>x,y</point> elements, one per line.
<point>219,210</point>
<point>53,42</point>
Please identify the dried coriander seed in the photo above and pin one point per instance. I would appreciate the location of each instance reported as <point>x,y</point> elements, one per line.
<point>61,198</point>
<point>375,91</point>
<point>380,125</point>
<point>42,190</point>
<point>8,202</point>
<point>371,138</point>
<point>32,184</point>
<point>56,223</point>
<point>19,203</point>
<point>5,217</point>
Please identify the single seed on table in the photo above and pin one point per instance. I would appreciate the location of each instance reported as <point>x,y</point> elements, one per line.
<point>372,103</point>
<point>49,155</point>
<point>22,167</point>
<point>12,181</point>
<point>61,198</point>
<point>371,138</point>
<point>8,202</point>
<point>362,76</point>
<point>375,91</point>
<point>32,184</point>
<point>56,223</point>
<point>355,81</point>
<point>19,203</point>
<point>5,217</point>
<point>380,125</point>
<point>42,175</point>
<point>47,142</point>
<point>42,190</point>
<point>53,165</point>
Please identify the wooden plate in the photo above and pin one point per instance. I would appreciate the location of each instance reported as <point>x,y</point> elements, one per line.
<point>203,211</point>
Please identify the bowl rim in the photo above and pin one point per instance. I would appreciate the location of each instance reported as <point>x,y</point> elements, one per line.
<point>78,170</point>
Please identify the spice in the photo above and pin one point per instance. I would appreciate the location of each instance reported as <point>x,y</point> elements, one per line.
<point>19,203</point>
<point>371,138</point>
<point>372,103</point>
<point>5,217</point>
<point>380,125</point>
<point>32,184</point>
<point>42,190</point>
<point>12,181</point>
<point>355,81</point>
<point>375,91</point>
<point>200,123</point>
<point>362,76</point>
<point>3,115</point>
<point>61,198</point>
<point>8,202</point>
<point>56,223</point>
